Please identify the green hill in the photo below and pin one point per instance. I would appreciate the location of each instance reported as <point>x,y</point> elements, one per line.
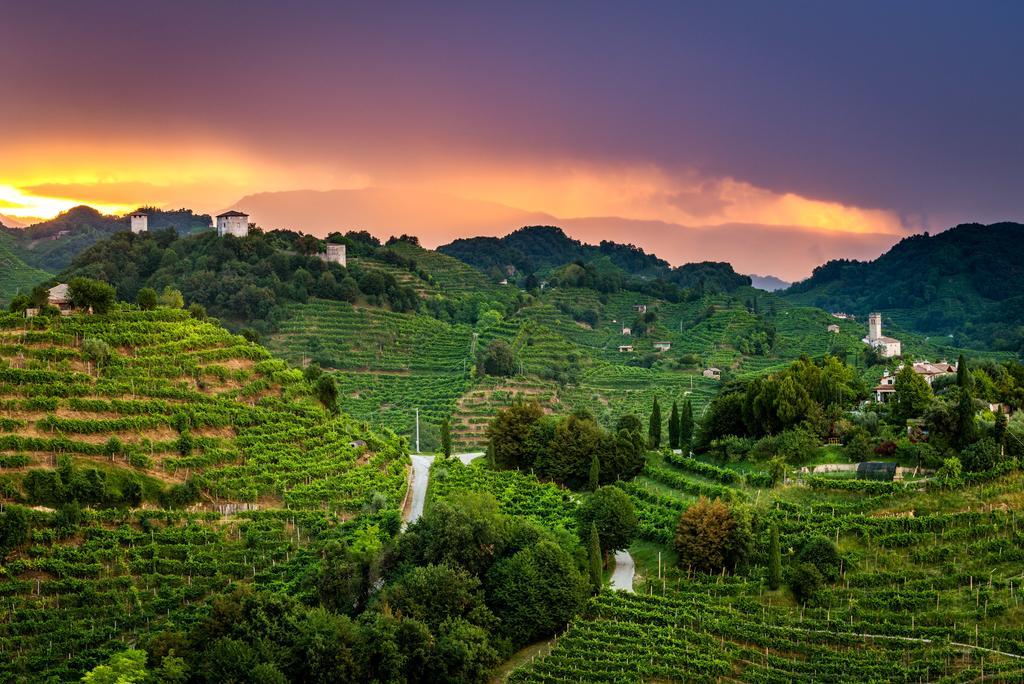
<point>541,249</point>
<point>964,283</point>
<point>51,245</point>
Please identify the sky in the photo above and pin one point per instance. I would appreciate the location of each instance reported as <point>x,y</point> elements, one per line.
<point>822,129</point>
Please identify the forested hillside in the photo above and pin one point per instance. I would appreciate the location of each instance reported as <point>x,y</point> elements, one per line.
<point>541,249</point>
<point>52,244</point>
<point>964,282</point>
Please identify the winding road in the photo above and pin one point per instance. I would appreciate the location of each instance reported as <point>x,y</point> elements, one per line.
<point>622,576</point>
<point>418,487</point>
<point>421,464</point>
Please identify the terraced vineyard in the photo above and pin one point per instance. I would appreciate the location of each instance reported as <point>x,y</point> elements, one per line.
<point>197,459</point>
<point>15,275</point>
<point>929,591</point>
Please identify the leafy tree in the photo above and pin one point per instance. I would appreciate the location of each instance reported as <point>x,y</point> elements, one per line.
<point>446,438</point>
<point>197,311</point>
<point>822,554</point>
<point>596,564</point>
<point>654,427</point>
<point>327,393</point>
<point>611,510</point>
<point>146,299</point>
<point>13,529</point>
<point>805,579</point>
<point>710,536</point>
<point>509,432</point>
<point>497,359</point>
<point>125,667</point>
<point>97,351</point>
<point>172,298</point>
<point>981,455</point>
<point>432,594</point>
<point>87,293</point>
<point>629,422</point>
<point>535,592</point>
<point>912,395</point>
<point>673,427</point>
<point>774,559</point>
<point>950,475</point>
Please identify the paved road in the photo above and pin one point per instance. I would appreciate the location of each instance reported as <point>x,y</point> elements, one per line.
<point>468,458</point>
<point>622,576</point>
<point>420,479</point>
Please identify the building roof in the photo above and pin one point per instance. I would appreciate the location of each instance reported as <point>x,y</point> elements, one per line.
<point>887,340</point>
<point>59,293</point>
<point>713,369</point>
<point>232,213</point>
<point>929,368</point>
<point>139,213</point>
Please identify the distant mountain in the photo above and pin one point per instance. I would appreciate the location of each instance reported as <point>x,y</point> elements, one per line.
<point>51,245</point>
<point>768,282</point>
<point>539,249</point>
<point>12,222</point>
<point>965,282</point>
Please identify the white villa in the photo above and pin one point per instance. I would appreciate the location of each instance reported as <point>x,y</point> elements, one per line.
<point>662,346</point>
<point>886,346</point>
<point>233,223</point>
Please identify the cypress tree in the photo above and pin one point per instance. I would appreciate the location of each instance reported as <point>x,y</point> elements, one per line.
<point>594,478</point>
<point>964,379</point>
<point>686,426</point>
<point>966,428</point>
<point>654,429</point>
<point>673,427</point>
<point>594,553</point>
<point>774,560</point>
<point>446,438</point>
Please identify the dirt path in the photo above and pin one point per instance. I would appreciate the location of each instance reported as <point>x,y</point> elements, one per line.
<point>420,479</point>
<point>622,576</point>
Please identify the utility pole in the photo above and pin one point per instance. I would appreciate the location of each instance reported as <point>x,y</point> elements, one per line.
<point>417,431</point>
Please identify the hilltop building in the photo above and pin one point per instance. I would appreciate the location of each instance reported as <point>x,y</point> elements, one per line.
<point>335,254</point>
<point>886,346</point>
<point>140,222</point>
<point>233,223</point>
<point>843,316</point>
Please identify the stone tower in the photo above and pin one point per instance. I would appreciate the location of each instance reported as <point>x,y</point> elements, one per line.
<point>140,222</point>
<point>233,223</point>
<point>874,326</point>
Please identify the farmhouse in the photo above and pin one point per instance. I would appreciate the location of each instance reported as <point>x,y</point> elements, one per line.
<point>833,328</point>
<point>842,316</point>
<point>640,308</point>
<point>233,223</point>
<point>886,346</point>
<point>662,346</point>
<point>624,348</point>
<point>926,369</point>
<point>713,373</point>
<point>627,331</point>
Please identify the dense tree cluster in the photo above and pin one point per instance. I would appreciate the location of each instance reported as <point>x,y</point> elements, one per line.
<point>564,448</point>
<point>242,279</point>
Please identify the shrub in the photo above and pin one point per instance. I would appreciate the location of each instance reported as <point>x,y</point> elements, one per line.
<point>710,536</point>
<point>804,581</point>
